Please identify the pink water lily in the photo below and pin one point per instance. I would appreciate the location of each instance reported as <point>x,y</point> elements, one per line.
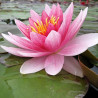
<point>51,40</point>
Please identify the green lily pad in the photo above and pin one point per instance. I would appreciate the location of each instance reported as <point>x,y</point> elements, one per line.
<point>5,28</point>
<point>10,60</point>
<point>39,85</point>
<point>18,10</point>
<point>13,14</point>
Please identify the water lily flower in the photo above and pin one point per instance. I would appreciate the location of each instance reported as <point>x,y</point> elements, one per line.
<point>51,40</point>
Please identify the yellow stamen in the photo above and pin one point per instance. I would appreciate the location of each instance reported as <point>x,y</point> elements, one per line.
<point>46,21</point>
<point>42,28</point>
<point>33,29</point>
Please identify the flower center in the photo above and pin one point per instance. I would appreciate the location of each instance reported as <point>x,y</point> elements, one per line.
<point>42,28</point>
<point>53,20</point>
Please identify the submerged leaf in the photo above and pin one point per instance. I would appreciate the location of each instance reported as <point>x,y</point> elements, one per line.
<point>93,59</point>
<point>91,75</point>
<point>94,51</point>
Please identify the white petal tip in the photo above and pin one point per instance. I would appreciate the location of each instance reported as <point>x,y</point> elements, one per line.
<point>31,11</point>
<point>86,9</point>
<point>9,33</point>
<point>79,75</point>
<point>2,34</point>
<point>72,3</point>
<point>52,74</point>
<point>3,47</point>
<point>22,71</point>
<point>46,4</point>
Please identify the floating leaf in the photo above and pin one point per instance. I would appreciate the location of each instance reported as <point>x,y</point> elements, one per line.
<point>39,85</point>
<point>14,60</point>
<point>5,28</point>
<point>3,57</point>
<point>54,86</point>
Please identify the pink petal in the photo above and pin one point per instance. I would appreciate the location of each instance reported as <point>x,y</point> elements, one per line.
<point>54,64</point>
<point>37,39</point>
<point>22,27</point>
<point>44,17</point>
<point>25,43</point>
<point>79,44</point>
<point>24,52</point>
<point>70,8</point>
<point>14,51</point>
<point>53,40</point>
<point>72,66</point>
<point>59,14</point>
<point>76,24</point>
<point>53,11</point>
<point>31,23</point>
<point>7,37</point>
<point>50,28</point>
<point>33,65</point>
<point>34,54</point>
<point>47,9</point>
<point>73,50</point>
<point>67,17</point>
<point>88,40</point>
<point>35,16</point>
<point>72,29</point>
